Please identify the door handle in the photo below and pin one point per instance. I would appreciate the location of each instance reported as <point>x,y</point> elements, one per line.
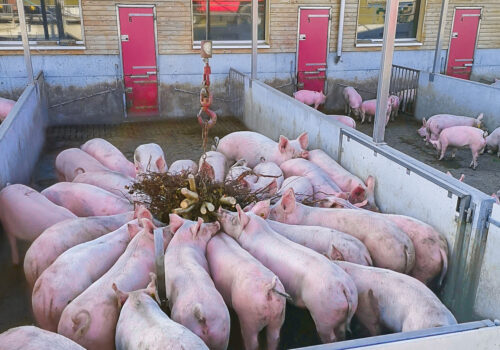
<point>302,37</point>
<point>124,37</point>
<point>454,35</point>
<point>321,69</point>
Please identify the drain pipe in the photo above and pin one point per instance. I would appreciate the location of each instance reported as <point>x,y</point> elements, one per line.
<point>340,31</point>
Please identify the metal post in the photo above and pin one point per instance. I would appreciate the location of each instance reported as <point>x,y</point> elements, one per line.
<point>255,20</point>
<point>26,45</point>
<point>439,41</point>
<point>59,20</point>
<point>44,19</point>
<point>384,79</point>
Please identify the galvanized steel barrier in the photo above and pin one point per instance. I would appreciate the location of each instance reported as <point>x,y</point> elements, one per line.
<point>404,84</point>
<point>236,92</point>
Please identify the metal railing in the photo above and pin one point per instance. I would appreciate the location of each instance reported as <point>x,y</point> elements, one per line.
<point>404,84</point>
<point>236,92</point>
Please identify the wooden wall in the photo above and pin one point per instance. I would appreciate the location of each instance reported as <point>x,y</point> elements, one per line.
<point>174,26</point>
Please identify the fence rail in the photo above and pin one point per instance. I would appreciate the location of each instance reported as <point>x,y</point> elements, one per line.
<point>236,92</point>
<point>404,84</point>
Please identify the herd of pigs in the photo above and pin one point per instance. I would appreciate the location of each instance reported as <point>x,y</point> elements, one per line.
<point>91,266</point>
<point>441,130</point>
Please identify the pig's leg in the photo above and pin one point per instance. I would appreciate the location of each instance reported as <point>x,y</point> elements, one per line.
<point>273,333</point>
<point>454,152</point>
<point>250,333</point>
<point>13,248</point>
<point>473,164</point>
<point>444,146</point>
<point>363,114</point>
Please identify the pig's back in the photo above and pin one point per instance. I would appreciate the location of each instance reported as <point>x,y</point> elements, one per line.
<point>34,338</point>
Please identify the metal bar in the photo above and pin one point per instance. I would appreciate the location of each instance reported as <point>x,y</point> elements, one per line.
<point>340,31</point>
<point>318,16</point>
<point>316,64</point>
<point>391,19</point>
<point>207,20</point>
<point>59,20</point>
<point>140,15</point>
<point>84,97</point>
<point>357,88</point>
<point>24,36</point>
<point>143,67</point>
<point>160,266</point>
<point>44,19</point>
<point>255,14</point>
<point>439,42</point>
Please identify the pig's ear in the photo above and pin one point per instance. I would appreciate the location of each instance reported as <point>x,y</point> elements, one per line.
<point>424,122</point>
<point>462,177</point>
<point>151,288</point>
<point>196,228</point>
<point>207,170</point>
<point>242,216</point>
<point>141,212</point>
<point>480,117</point>
<point>283,144</point>
<point>161,165</point>
<point>262,209</point>
<point>361,204</point>
<point>148,225</point>
<point>335,254</point>
<point>357,194</point>
<point>373,304</point>
<point>133,229</point>
<point>303,140</point>
<point>288,201</point>
<point>121,297</point>
<point>213,228</point>
<point>272,188</point>
<point>175,222</point>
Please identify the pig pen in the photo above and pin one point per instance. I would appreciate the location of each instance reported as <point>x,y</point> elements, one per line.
<point>466,216</point>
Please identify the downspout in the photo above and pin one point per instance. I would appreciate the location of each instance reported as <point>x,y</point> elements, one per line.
<point>340,31</point>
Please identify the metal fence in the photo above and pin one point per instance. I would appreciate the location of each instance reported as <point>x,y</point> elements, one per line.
<point>404,84</point>
<point>236,92</point>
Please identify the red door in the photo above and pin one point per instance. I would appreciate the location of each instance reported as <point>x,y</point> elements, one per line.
<point>312,48</point>
<point>138,44</point>
<point>463,42</point>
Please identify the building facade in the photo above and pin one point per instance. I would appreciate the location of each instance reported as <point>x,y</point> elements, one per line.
<point>79,44</point>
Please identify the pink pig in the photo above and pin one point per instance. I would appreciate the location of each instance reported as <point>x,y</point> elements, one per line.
<point>368,108</point>
<point>394,106</point>
<point>439,122</point>
<point>352,101</point>
<point>25,214</point>
<point>143,325</point>
<point>252,290</point>
<point>34,338</point>
<point>183,165</point>
<point>90,319</point>
<point>301,186</point>
<point>323,186</point>
<point>5,107</point>
<point>74,161</point>
<point>214,165</point>
<point>388,245</point>
<point>310,98</point>
<point>150,158</point>
<point>66,234</point>
<point>461,136</point>
<point>53,290</point>
<point>328,294</point>
<point>254,147</point>
<point>493,142</point>
<point>193,299</point>
<point>86,200</point>
<point>347,121</point>
<point>111,181</point>
<point>422,132</point>
<point>109,156</point>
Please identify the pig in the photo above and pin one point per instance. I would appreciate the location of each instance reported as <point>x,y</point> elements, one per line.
<point>389,246</point>
<point>394,106</point>
<point>461,178</point>
<point>493,142</point>
<point>301,186</point>
<point>253,147</point>
<point>183,166</point>
<point>5,107</point>
<point>422,132</point>
<point>395,301</point>
<point>214,165</point>
<point>252,290</point>
<point>74,161</point>
<point>85,263</point>
<point>461,136</point>
<point>240,171</point>
<point>109,156</point>
<point>496,197</point>
<point>34,338</point>
<point>143,325</point>
<point>262,186</point>
<point>90,319</point>
<point>496,83</point>
<point>149,158</point>
<point>368,108</point>
<point>66,234</point>
<point>267,171</point>
<point>86,200</point>
<point>111,181</point>
<point>347,121</point>
<point>25,214</point>
<point>437,123</point>
<point>310,98</point>
<point>334,244</point>
<point>322,184</point>
<point>193,299</point>
<point>352,101</point>
<point>328,294</point>
<point>358,190</point>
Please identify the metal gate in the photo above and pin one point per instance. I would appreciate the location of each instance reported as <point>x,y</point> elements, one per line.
<point>236,92</point>
<point>404,84</point>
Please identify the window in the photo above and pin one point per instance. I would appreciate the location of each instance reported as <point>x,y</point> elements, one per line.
<point>371,18</point>
<point>49,22</point>
<point>228,20</point>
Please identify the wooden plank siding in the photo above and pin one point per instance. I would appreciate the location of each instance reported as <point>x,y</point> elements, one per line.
<point>175,27</point>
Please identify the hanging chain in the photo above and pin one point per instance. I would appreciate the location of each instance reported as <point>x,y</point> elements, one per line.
<point>206,117</point>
